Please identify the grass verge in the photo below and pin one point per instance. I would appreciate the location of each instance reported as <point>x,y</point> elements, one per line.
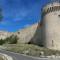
<point>30,49</point>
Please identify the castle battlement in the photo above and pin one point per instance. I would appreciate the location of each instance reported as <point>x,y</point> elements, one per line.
<point>51,26</point>
<point>51,8</point>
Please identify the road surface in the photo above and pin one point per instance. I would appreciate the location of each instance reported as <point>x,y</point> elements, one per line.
<point>17,56</point>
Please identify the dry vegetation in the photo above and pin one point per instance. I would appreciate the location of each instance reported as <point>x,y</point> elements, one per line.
<point>32,50</point>
<point>1,58</point>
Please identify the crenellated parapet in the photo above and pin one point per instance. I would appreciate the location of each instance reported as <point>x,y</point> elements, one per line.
<point>50,30</point>
<point>51,8</point>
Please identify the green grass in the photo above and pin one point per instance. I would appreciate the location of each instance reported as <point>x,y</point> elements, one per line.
<point>30,49</point>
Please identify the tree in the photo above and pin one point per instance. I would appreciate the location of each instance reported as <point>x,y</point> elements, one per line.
<point>11,40</point>
<point>2,41</point>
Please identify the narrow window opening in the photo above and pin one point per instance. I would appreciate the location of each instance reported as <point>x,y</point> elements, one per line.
<point>58,15</point>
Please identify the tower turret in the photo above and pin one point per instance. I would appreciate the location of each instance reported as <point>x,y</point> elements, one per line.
<point>51,25</point>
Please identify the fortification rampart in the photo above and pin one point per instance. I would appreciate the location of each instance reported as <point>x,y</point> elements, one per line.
<point>51,26</point>
<point>51,8</point>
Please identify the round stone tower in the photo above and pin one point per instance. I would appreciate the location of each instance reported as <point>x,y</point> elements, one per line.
<point>51,25</point>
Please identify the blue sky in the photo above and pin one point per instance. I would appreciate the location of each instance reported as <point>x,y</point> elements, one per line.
<point>18,14</point>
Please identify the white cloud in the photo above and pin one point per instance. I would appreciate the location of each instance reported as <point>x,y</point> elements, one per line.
<point>5,22</point>
<point>27,25</point>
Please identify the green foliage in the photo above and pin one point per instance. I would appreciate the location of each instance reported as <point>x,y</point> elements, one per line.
<point>32,50</point>
<point>9,40</point>
<point>2,41</point>
<point>13,39</point>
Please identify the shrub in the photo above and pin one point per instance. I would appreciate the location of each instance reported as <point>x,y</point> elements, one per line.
<point>9,40</point>
<point>2,41</point>
<point>32,50</point>
<point>13,39</point>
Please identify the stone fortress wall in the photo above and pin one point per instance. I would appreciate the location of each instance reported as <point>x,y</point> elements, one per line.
<point>29,34</point>
<point>4,34</point>
<point>46,33</point>
<point>51,26</point>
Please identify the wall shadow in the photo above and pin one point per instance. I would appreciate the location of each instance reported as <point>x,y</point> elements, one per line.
<point>39,36</point>
<point>36,39</point>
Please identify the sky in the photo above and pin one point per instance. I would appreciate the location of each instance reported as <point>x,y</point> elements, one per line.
<point>18,14</point>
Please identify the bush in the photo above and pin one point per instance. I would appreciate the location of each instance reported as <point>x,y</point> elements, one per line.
<point>2,41</point>
<point>12,39</point>
<point>32,50</point>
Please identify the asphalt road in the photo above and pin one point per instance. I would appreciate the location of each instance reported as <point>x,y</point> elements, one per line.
<point>17,56</point>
